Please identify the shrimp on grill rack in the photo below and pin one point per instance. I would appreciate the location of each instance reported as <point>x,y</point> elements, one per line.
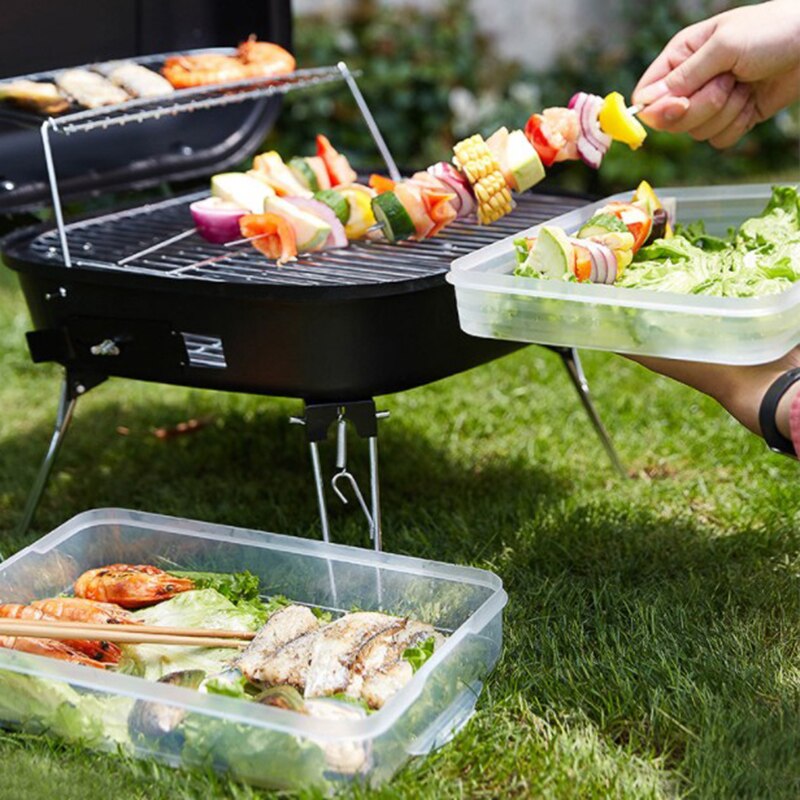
<point>253,59</point>
<point>264,59</point>
<point>129,585</point>
<point>186,72</point>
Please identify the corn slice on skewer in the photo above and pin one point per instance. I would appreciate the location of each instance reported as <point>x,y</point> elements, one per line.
<point>476,161</point>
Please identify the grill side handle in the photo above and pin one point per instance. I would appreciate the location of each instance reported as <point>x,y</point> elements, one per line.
<point>136,347</point>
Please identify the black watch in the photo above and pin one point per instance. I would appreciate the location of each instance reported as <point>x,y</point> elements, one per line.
<point>776,441</point>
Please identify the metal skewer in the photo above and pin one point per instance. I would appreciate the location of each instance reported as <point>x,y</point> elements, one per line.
<point>158,246</point>
<point>247,239</point>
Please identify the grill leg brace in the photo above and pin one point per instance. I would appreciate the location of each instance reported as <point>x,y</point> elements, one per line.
<point>574,368</point>
<point>317,419</point>
<point>72,387</point>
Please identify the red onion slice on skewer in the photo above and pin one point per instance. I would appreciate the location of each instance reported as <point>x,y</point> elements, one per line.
<point>450,176</point>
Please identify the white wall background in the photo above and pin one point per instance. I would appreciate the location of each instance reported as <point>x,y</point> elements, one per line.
<point>550,27</point>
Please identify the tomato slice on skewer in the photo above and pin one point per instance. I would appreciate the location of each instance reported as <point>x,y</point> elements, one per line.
<point>536,136</point>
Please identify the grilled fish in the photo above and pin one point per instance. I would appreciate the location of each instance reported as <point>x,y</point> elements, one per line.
<point>42,97</point>
<point>337,648</point>
<point>378,687</point>
<point>137,80</point>
<point>89,89</point>
<point>289,665</point>
<point>385,650</point>
<point>282,627</point>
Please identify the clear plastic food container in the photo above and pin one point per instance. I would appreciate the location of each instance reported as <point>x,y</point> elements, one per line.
<point>256,743</point>
<point>493,303</point>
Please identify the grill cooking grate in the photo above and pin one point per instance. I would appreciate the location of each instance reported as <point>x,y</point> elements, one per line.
<point>103,242</point>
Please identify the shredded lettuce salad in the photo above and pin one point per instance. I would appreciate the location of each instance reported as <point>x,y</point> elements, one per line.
<point>761,258</point>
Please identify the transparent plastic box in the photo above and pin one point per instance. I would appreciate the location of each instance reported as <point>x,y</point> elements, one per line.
<point>260,744</point>
<point>493,303</point>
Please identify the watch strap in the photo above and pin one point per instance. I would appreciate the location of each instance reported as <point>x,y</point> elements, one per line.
<point>769,406</point>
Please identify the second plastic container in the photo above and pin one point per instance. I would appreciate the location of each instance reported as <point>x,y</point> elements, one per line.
<point>494,303</point>
<point>252,742</point>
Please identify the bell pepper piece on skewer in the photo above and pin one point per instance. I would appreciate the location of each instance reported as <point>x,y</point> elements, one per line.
<point>619,123</point>
<point>270,234</point>
<point>381,184</point>
<point>339,170</point>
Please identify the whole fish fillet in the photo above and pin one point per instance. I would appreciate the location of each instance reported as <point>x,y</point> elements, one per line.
<point>337,647</point>
<point>282,627</point>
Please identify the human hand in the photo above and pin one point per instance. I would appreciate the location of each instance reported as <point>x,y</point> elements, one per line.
<point>718,78</point>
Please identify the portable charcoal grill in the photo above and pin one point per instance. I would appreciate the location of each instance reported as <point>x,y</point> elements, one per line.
<point>137,294</point>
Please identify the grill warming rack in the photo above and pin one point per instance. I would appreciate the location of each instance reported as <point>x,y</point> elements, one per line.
<point>159,239</point>
<point>138,110</point>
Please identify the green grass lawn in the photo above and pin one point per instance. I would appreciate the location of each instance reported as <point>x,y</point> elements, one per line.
<point>651,637</point>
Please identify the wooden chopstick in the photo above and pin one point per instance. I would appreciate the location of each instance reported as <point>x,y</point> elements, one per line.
<point>104,627</point>
<point>121,634</point>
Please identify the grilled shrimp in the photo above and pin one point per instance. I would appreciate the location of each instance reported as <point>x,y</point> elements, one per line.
<point>78,609</point>
<point>130,585</point>
<point>264,58</point>
<point>107,652</point>
<point>185,72</point>
<point>48,647</point>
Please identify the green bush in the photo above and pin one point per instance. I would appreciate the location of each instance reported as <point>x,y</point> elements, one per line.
<point>430,77</point>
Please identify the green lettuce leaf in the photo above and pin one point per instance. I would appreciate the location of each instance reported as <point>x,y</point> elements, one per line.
<point>417,656</point>
<point>200,608</point>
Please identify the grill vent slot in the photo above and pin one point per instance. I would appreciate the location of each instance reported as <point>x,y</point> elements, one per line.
<point>204,352</point>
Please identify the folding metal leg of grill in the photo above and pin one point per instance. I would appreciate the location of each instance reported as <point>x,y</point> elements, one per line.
<point>72,387</point>
<point>574,368</point>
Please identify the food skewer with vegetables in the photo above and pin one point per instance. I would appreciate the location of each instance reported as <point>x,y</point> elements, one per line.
<point>477,184</point>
